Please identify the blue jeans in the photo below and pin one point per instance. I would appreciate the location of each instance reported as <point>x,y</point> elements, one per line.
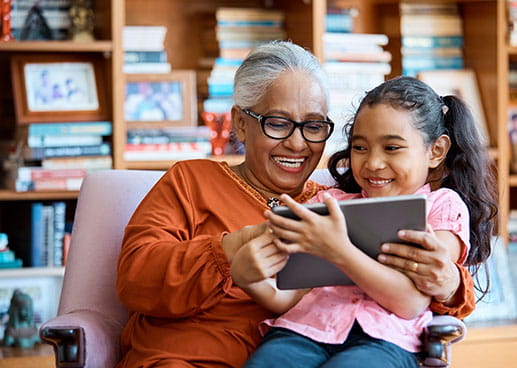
<point>287,349</point>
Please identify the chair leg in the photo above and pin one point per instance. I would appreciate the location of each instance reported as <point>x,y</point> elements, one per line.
<point>437,344</point>
<point>68,345</point>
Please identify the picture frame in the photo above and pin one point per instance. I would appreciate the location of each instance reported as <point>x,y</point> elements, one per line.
<point>159,100</point>
<point>461,83</point>
<point>58,87</point>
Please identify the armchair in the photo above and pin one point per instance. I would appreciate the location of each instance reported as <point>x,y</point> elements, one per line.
<point>90,318</point>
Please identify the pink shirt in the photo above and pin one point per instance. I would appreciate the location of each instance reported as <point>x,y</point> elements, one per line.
<point>326,314</point>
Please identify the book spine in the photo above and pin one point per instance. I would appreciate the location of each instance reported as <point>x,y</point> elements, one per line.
<point>63,140</point>
<point>37,231</point>
<point>136,68</point>
<point>48,152</point>
<point>59,231</point>
<point>409,62</point>
<point>58,184</point>
<point>70,128</point>
<point>356,38</point>
<point>145,57</point>
<point>37,173</point>
<point>48,235</point>
<point>432,41</point>
<point>80,162</point>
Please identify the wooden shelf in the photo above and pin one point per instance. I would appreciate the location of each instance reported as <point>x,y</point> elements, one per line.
<point>9,195</point>
<point>490,346</point>
<point>164,165</point>
<point>56,46</point>
<point>512,180</point>
<point>32,272</point>
<point>41,356</point>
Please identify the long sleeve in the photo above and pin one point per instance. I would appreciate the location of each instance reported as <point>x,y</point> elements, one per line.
<point>171,262</point>
<point>465,302</point>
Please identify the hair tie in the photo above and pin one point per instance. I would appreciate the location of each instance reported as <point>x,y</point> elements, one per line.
<point>445,108</point>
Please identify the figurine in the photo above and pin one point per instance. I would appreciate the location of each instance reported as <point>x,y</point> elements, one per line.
<point>35,26</point>
<point>21,330</point>
<point>81,16</point>
<point>5,14</point>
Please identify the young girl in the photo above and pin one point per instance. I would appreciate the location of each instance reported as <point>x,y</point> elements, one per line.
<point>404,139</point>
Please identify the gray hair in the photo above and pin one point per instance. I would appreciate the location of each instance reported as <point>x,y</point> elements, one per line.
<point>263,66</point>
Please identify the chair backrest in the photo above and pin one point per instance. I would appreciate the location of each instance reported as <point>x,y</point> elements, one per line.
<point>106,202</point>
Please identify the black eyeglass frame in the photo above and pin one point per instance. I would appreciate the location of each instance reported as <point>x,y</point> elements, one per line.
<point>261,119</point>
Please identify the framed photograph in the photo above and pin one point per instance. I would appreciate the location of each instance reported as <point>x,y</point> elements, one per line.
<point>53,88</point>
<point>152,100</point>
<point>461,83</point>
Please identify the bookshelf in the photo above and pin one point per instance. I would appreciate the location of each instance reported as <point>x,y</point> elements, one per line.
<point>188,23</point>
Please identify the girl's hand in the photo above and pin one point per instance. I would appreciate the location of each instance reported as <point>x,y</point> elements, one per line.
<point>323,236</point>
<point>258,258</point>
<point>432,266</point>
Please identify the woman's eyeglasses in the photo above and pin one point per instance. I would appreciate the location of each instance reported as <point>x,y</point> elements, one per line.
<point>279,127</point>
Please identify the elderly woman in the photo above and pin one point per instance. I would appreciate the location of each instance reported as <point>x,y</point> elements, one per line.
<point>192,234</point>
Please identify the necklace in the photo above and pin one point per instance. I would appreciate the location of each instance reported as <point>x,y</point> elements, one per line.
<point>273,202</point>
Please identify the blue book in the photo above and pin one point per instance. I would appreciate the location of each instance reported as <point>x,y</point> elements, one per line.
<point>40,153</point>
<point>37,246</point>
<point>249,23</point>
<point>59,231</point>
<point>227,62</point>
<point>220,90</point>
<point>432,63</point>
<point>71,128</point>
<point>145,57</point>
<point>432,41</point>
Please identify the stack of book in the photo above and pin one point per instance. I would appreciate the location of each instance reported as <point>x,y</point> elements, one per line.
<point>512,22</point>
<point>26,14</point>
<point>432,37</point>
<point>172,143</point>
<point>144,49</point>
<point>38,235</point>
<point>355,63</point>
<point>238,30</point>
<point>57,156</point>
<point>7,256</point>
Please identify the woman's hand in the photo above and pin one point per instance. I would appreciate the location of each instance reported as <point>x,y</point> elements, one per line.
<point>256,257</point>
<point>432,266</point>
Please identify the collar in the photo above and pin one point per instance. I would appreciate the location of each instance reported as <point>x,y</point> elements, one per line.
<point>426,189</point>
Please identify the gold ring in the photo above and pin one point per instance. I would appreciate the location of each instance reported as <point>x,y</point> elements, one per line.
<point>414,266</point>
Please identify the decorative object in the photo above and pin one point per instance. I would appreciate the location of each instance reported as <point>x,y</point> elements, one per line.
<point>53,88</point>
<point>5,21</point>
<point>461,83</point>
<point>158,100</point>
<point>82,18</point>
<point>35,26</point>
<point>21,330</point>
<point>220,125</point>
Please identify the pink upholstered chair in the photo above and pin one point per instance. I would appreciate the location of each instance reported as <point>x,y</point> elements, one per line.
<point>90,318</point>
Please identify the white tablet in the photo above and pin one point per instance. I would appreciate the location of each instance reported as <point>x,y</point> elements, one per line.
<point>370,222</point>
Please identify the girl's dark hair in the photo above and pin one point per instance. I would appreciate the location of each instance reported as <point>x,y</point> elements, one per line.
<point>466,168</point>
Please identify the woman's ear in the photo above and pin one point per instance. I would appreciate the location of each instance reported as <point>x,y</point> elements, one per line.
<point>439,150</point>
<point>238,123</point>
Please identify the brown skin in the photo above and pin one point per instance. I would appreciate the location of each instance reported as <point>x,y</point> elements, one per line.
<point>272,166</point>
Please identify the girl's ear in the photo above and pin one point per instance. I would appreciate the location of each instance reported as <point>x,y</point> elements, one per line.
<point>439,150</point>
<point>238,123</point>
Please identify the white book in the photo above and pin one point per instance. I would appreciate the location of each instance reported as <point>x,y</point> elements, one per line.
<point>137,68</point>
<point>355,38</point>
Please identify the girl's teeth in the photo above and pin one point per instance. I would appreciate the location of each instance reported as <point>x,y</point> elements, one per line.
<point>379,182</point>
